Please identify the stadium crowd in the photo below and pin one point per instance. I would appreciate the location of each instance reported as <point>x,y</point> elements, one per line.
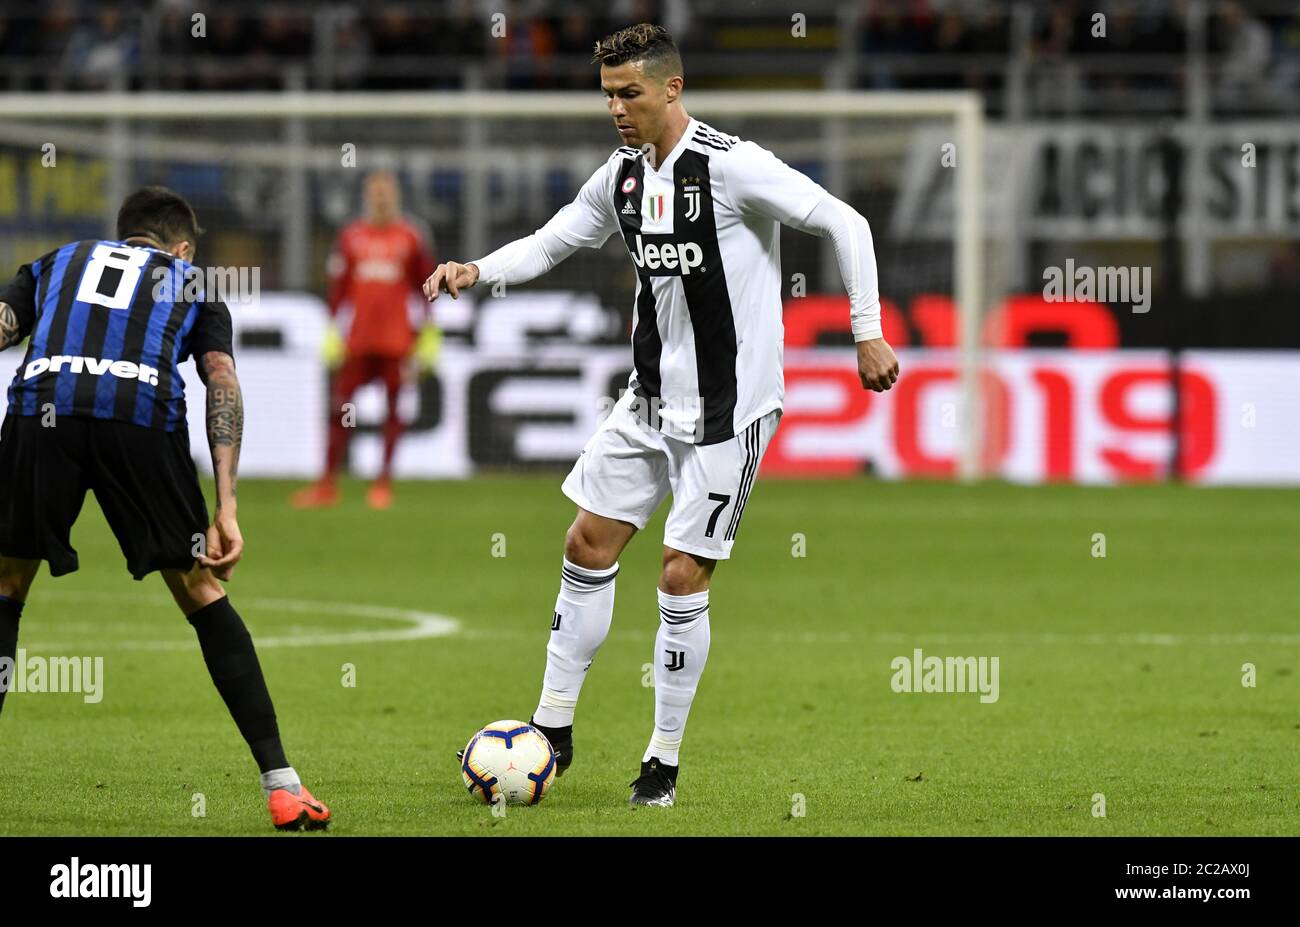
<point>451,44</point>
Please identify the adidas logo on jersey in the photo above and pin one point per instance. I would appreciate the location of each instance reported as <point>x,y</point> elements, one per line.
<point>670,258</point>
<point>95,366</point>
<point>629,209</point>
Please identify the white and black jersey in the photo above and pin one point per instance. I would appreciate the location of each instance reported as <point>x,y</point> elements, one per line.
<point>703,230</point>
<point>704,233</point>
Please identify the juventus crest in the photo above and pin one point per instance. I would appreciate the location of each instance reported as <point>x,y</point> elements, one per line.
<point>691,190</point>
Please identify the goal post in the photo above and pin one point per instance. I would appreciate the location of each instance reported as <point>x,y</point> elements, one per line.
<point>492,166</point>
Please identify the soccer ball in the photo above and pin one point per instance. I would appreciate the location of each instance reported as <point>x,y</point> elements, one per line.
<point>510,759</point>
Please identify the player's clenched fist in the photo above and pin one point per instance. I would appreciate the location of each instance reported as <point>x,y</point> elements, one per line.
<point>877,365</point>
<point>225,546</point>
<point>450,277</point>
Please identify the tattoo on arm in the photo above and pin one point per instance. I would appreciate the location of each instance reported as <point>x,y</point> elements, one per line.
<point>225,416</point>
<point>9,326</point>
<point>225,420</point>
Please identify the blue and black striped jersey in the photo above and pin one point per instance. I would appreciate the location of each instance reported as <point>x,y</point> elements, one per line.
<point>110,325</point>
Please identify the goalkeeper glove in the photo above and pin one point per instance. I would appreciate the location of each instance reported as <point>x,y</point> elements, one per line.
<point>428,346</point>
<point>331,348</point>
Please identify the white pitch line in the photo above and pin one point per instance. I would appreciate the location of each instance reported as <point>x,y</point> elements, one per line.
<point>928,638</point>
<point>422,624</point>
<point>430,624</point>
<point>1136,638</point>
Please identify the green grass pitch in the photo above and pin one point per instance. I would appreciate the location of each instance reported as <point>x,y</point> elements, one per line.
<point>1120,676</point>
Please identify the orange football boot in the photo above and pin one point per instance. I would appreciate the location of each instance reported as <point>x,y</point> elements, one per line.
<point>295,812</point>
<point>380,495</point>
<point>316,496</point>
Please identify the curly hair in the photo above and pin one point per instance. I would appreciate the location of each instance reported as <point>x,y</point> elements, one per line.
<point>644,42</point>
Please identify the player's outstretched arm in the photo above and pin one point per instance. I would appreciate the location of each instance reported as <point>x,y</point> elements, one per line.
<point>585,223</point>
<point>225,437</point>
<point>518,262</point>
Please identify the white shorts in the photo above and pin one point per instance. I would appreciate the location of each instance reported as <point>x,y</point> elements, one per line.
<point>627,468</point>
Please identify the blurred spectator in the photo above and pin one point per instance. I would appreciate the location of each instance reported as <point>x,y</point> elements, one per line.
<point>412,51</point>
<point>887,30</point>
<point>1131,34</point>
<point>1286,70</point>
<point>219,53</point>
<point>673,15</point>
<point>54,29</point>
<point>460,36</point>
<point>101,52</point>
<point>176,42</point>
<point>1056,82</point>
<point>351,52</point>
<point>953,38</point>
<point>575,39</point>
<point>988,33</point>
<point>527,50</point>
<point>282,42</point>
<point>283,34</point>
<point>395,34</point>
<point>1247,46</point>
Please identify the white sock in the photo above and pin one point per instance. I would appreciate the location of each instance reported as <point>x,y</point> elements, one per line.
<point>285,778</point>
<point>579,624</point>
<point>683,643</point>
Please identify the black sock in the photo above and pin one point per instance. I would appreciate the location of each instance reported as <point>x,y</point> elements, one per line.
<point>228,651</point>
<point>10,610</point>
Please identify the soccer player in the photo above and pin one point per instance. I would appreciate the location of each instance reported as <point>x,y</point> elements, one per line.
<point>700,213</point>
<point>99,404</point>
<point>379,261</point>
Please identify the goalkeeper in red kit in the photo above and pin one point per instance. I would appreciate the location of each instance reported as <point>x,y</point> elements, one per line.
<point>379,261</point>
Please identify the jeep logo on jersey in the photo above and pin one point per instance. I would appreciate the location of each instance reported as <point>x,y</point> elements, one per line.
<point>95,366</point>
<point>669,259</point>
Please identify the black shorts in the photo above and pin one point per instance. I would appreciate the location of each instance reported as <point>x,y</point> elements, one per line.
<point>144,479</point>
